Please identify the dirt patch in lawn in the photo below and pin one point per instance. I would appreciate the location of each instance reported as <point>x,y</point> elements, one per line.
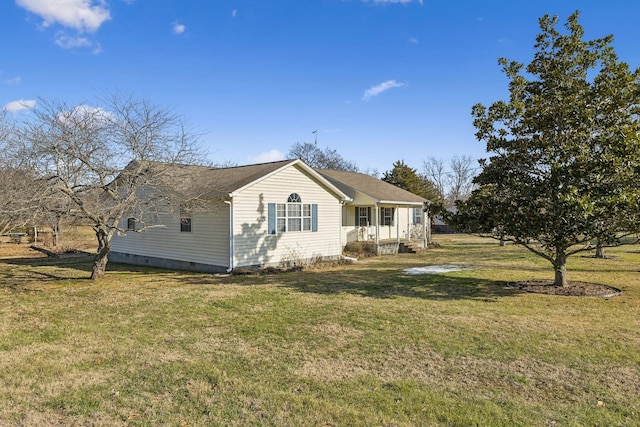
<point>576,289</point>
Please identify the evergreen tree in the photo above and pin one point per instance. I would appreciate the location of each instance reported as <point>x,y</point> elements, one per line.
<point>407,178</point>
<point>565,150</point>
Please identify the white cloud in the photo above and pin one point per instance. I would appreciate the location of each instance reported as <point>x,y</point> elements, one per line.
<point>267,156</point>
<point>14,81</point>
<point>92,116</point>
<point>69,42</point>
<point>15,106</point>
<point>178,28</point>
<point>234,13</point>
<point>66,41</point>
<point>382,87</point>
<point>82,15</point>
<point>414,40</point>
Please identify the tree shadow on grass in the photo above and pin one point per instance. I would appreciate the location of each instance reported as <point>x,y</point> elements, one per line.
<point>45,269</point>
<point>26,270</point>
<point>374,284</point>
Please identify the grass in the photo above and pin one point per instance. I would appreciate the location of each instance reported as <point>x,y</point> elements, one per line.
<point>356,345</point>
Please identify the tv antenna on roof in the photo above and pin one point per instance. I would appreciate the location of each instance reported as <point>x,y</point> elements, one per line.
<point>316,132</point>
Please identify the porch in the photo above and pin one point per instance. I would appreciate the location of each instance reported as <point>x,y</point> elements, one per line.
<point>390,246</point>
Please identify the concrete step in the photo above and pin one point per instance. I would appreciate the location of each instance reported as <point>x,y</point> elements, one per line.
<point>410,248</point>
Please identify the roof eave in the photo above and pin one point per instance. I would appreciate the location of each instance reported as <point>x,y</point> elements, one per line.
<point>395,202</point>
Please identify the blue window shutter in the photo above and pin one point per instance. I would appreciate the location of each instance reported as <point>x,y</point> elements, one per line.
<point>272,218</point>
<point>357,217</point>
<point>368,216</point>
<point>314,217</point>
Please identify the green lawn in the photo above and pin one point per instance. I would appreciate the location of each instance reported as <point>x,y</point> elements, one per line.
<point>351,345</point>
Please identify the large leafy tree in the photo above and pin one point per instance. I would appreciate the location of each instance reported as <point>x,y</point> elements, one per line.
<point>565,150</point>
<point>406,177</point>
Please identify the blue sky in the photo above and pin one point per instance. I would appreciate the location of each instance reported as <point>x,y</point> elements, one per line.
<point>380,80</point>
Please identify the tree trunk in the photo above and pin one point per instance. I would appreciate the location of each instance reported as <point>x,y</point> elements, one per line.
<point>100,260</point>
<point>599,250</point>
<point>560,267</point>
<point>55,227</point>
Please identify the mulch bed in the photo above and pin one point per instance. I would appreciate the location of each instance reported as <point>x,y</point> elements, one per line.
<point>575,289</point>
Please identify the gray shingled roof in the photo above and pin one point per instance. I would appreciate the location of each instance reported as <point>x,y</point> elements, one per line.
<point>210,181</point>
<point>349,182</point>
<point>206,181</point>
<point>228,180</point>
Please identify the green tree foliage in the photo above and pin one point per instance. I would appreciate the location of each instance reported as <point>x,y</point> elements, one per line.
<point>565,150</point>
<point>408,179</point>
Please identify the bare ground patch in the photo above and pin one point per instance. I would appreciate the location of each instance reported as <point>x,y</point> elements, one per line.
<point>576,289</point>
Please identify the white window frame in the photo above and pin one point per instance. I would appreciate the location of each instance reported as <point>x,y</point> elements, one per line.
<point>367,220</point>
<point>418,214</point>
<point>293,216</point>
<point>387,216</point>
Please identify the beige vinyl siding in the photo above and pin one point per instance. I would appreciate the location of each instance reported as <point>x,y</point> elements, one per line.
<point>252,243</point>
<point>207,243</point>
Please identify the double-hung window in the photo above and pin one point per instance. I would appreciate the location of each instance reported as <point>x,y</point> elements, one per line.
<point>363,216</point>
<point>417,216</point>
<point>387,216</point>
<point>292,216</point>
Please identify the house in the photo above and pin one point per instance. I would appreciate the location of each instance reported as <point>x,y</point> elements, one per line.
<point>270,214</point>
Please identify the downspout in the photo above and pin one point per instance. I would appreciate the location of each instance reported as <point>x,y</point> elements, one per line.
<point>340,224</point>
<point>397,218</point>
<point>231,236</point>
<point>377,225</point>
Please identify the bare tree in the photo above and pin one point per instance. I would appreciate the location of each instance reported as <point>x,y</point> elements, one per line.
<point>462,171</point>
<point>455,179</point>
<point>18,195</point>
<point>319,158</point>
<point>97,159</point>
<point>435,169</point>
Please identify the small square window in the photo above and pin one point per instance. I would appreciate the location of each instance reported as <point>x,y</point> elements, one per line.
<point>185,219</point>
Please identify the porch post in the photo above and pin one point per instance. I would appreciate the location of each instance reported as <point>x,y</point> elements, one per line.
<point>426,225</point>
<point>377,219</point>
<point>424,230</point>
